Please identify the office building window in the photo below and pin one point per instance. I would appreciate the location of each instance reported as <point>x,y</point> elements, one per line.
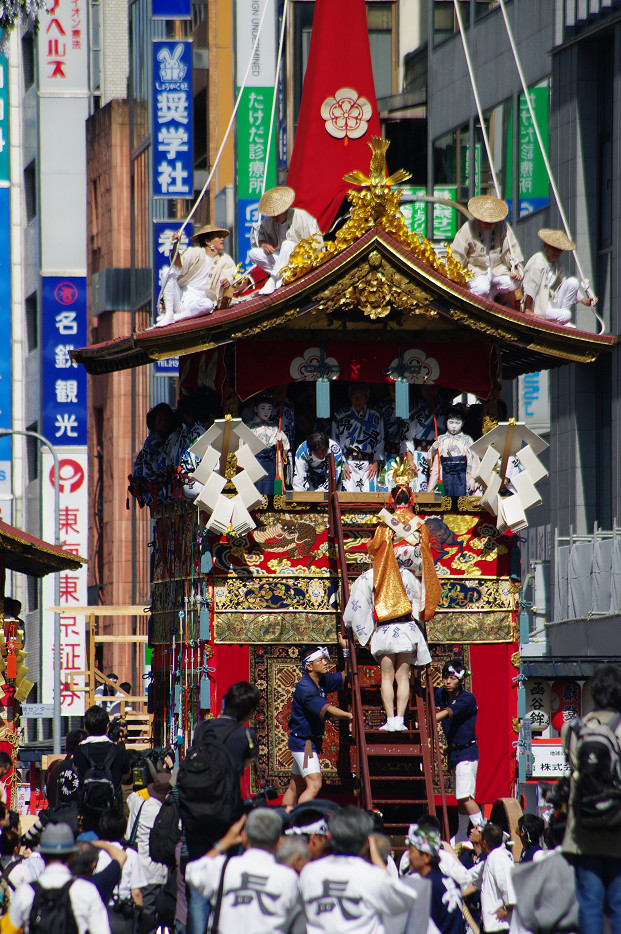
<point>445,20</point>
<point>30,191</point>
<point>28,60</point>
<point>32,454</point>
<point>32,322</point>
<point>451,162</point>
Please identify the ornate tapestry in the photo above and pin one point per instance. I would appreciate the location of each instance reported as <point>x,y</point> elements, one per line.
<point>275,670</point>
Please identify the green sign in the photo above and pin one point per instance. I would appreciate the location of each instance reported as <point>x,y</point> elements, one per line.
<point>533,183</point>
<point>444,216</point>
<point>253,127</point>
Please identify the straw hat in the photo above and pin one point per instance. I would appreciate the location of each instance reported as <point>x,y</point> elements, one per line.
<point>488,208</point>
<point>276,200</point>
<point>211,229</point>
<point>556,238</point>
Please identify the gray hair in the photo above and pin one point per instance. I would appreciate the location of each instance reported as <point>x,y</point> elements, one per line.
<point>384,846</point>
<point>263,828</point>
<point>350,829</point>
<point>290,848</point>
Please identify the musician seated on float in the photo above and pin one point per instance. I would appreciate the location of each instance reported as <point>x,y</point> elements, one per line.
<point>312,464</point>
<point>160,422</point>
<point>198,277</point>
<point>359,432</point>
<point>549,293</point>
<point>486,247</point>
<point>280,231</point>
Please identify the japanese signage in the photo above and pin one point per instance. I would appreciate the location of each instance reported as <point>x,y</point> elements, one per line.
<point>63,46</point>
<point>253,116</point>
<point>566,703</point>
<point>534,400</point>
<point>173,158</point>
<point>549,759</point>
<point>444,216</point>
<point>73,584</point>
<point>4,122</point>
<point>5,326</point>
<point>538,704</point>
<point>534,186</point>
<point>63,381</point>
<point>171,9</point>
<point>162,243</point>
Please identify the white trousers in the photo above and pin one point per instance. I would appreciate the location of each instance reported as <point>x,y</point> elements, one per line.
<point>486,285</point>
<point>274,262</point>
<point>560,309</point>
<point>184,303</point>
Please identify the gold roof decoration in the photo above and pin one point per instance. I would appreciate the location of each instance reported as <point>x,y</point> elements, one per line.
<point>401,473</point>
<point>374,204</point>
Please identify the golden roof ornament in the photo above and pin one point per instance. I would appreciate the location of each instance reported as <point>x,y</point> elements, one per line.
<point>401,473</point>
<point>373,204</point>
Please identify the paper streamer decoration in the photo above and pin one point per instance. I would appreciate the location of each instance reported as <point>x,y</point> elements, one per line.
<point>508,494</point>
<point>228,436</point>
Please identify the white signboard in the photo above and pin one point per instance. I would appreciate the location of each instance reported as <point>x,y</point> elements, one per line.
<point>63,47</point>
<point>73,584</point>
<point>549,759</point>
<point>534,400</point>
<point>263,68</point>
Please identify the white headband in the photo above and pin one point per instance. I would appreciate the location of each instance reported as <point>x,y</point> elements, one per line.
<point>319,826</point>
<point>459,673</point>
<point>320,652</point>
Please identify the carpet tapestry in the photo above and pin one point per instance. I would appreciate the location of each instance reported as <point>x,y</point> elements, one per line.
<point>275,670</point>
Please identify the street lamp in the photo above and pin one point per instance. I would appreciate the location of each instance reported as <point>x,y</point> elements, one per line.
<point>56,725</point>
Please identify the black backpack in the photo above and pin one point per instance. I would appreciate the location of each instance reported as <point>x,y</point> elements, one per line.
<point>165,833</point>
<point>98,791</point>
<point>51,911</point>
<point>208,786</point>
<point>596,776</point>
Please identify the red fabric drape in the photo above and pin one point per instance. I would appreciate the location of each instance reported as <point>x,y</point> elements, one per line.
<point>496,694</point>
<point>339,60</point>
<point>232,663</point>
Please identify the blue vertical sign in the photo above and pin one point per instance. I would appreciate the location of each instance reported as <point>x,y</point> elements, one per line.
<point>173,157</point>
<point>171,9</point>
<point>162,244</point>
<point>63,387</point>
<point>5,270</point>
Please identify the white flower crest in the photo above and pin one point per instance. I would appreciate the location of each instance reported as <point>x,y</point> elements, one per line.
<point>429,367</point>
<point>312,357</point>
<point>346,114</point>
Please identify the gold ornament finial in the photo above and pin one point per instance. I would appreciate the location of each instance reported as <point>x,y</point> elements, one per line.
<point>373,204</point>
<point>401,474</point>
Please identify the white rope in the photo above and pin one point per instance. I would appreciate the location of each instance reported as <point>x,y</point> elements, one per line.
<point>476,97</point>
<point>477,101</point>
<point>278,65</point>
<point>584,281</point>
<point>220,151</point>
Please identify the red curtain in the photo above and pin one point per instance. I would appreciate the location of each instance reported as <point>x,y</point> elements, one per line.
<point>496,694</point>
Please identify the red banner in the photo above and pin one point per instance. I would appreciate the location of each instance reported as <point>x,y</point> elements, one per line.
<point>263,363</point>
<point>338,113</point>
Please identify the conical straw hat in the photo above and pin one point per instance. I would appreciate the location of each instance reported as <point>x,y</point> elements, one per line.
<point>556,238</point>
<point>210,229</point>
<point>276,200</point>
<point>488,208</point>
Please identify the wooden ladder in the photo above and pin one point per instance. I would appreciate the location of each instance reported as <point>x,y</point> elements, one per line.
<point>395,770</point>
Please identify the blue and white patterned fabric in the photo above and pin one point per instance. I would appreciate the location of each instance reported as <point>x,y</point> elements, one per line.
<point>311,474</point>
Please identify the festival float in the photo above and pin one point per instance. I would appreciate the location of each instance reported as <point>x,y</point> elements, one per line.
<point>241,581</point>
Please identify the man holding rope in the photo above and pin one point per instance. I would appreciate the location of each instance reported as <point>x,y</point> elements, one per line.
<point>197,278</point>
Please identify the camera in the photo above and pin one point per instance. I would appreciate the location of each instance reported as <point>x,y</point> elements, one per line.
<point>269,793</point>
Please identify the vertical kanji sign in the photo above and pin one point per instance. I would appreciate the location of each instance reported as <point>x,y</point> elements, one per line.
<point>253,116</point>
<point>173,157</point>
<point>73,584</point>
<point>64,382</point>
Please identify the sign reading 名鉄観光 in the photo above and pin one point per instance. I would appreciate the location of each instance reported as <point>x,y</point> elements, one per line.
<point>173,159</point>
<point>63,381</point>
<point>549,760</point>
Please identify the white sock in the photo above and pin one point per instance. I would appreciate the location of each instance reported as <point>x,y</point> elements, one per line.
<point>389,725</point>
